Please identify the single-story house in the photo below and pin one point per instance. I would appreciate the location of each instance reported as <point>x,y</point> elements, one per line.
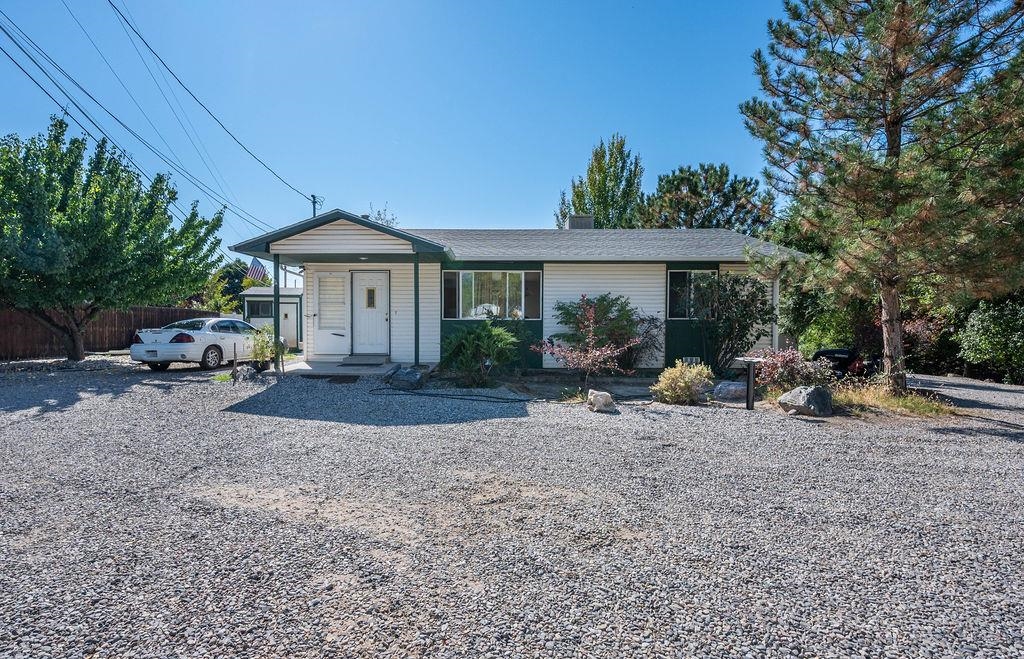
<point>258,310</point>
<point>372,289</point>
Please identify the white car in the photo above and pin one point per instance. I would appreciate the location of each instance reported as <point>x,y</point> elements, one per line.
<point>206,341</point>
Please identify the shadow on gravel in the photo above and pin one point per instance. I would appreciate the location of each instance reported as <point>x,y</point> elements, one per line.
<point>1007,430</point>
<point>53,392</point>
<point>310,400</point>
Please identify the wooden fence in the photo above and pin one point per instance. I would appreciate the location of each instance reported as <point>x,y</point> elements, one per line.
<point>23,337</point>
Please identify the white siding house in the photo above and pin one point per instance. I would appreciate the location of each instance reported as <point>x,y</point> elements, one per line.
<point>362,280</point>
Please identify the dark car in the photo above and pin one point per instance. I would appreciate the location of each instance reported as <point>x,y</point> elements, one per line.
<point>846,361</point>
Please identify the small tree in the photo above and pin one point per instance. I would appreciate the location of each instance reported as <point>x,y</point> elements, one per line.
<point>732,312</point>
<point>615,322</point>
<point>707,197</point>
<point>588,354</point>
<point>214,296</point>
<point>78,235</point>
<point>383,216</point>
<point>610,191</point>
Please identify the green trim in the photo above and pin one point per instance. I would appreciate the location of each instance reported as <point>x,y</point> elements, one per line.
<point>260,245</point>
<point>416,309</point>
<point>492,265</point>
<point>695,265</point>
<point>277,308</point>
<point>306,259</point>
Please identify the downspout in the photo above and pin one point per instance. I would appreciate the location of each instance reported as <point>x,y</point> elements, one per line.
<point>416,305</point>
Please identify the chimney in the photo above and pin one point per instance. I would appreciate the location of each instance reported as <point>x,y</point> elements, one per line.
<point>581,222</point>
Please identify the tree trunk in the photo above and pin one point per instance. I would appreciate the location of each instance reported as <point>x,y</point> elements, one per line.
<point>892,339</point>
<point>74,340</point>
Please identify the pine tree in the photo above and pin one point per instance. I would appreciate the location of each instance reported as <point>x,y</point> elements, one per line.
<point>896,125</point>
<point>610,191</point>
<point>78,235</point>
<point>707,197</point>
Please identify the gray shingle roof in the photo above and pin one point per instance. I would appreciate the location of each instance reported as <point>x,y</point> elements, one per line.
<point>599,244</point>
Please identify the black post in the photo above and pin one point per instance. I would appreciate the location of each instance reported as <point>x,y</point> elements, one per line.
<point>750,385</point>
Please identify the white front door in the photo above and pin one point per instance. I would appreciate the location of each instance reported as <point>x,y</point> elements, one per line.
<point>370,313</point>
<point>330,314</point>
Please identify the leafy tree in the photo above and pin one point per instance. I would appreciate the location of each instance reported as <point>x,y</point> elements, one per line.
<point>81,235</point>
<point>897,126</point>
<point>732,312</point>
<point>707,197</point>
<point>616,322</point>
<point>994,335</point>
<point>610,190</point>
<point>233,272</point>
<point>214,296</point>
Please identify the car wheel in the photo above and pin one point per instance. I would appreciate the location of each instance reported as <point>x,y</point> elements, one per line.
<point>211,358</point>
<point>158,366</point>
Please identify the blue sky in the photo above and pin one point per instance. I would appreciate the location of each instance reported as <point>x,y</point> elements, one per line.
<point>454,114</point>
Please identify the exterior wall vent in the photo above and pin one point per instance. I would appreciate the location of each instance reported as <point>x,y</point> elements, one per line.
<point>581,222</point>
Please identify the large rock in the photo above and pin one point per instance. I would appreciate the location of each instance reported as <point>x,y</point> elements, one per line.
<point>810,401</point>
<point>730,391</point>
<point>600,401</point>
<point>407,378</point>
<point>245,374</point>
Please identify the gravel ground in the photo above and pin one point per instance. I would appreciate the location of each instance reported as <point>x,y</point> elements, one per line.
<point>165,514</point>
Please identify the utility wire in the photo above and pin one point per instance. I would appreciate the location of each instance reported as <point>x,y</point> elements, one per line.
<point>203,105</point>
<point>174,112</point>
<point>234,208</point>
<point>216,170</point>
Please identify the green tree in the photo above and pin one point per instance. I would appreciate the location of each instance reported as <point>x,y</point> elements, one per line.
<point>610,190</point>
<point>897,127</point>
<point>994,336</point>
<point>79,235</point>
<point>732,312</point>
<point>214,296</point>
<point>233,272</point>
<point>707,197</point>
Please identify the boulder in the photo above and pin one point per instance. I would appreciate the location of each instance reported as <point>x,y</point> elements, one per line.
<point>809,401</point>
<point>730,391</point>
<point>407,378</point>
<point>600,401</point>
<point>245,374</point>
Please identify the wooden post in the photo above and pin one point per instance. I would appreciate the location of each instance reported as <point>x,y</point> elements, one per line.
<point>278,358</point>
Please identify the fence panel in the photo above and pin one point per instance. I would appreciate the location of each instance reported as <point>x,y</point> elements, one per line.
<point>23,337</point>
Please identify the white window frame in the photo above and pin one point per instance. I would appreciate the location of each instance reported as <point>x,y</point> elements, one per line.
<point>689,282</point>
<point>522,292</point>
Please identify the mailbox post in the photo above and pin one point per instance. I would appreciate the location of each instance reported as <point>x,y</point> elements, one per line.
<point>751,364</point>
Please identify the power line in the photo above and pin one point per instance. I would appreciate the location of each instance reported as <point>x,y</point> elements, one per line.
<point>203,105</point>
<point>234,208</point>
<point>174,112</point>
<point>216,170</point>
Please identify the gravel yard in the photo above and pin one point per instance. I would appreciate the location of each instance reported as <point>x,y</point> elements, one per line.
<point>146,514</point>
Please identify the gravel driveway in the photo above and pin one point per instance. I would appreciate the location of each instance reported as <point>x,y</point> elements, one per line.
<point>167,514</point>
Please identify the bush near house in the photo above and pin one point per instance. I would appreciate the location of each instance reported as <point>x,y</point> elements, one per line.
<point>475,351</point>
<point>683,384</point>
<point>733,312</point>
<point>613,322</point>
<point>782,370</point>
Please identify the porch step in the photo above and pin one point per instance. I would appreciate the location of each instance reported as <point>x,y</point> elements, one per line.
<point>365,360</point>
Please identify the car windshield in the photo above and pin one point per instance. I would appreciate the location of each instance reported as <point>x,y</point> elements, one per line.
<point>193,324</point>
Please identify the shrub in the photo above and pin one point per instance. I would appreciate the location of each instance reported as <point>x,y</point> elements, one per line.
<point>732,312</point>
<point>263,351</point>
<point>994,335</point>
<point>473,352</point>
<point>588,352</point>
<point>785,369</point>
<point>682,384</point>
<point>615,322</point>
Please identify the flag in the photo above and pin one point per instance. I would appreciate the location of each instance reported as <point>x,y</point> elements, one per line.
<point>257,271</point>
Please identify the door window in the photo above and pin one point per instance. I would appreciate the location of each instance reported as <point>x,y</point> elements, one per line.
<point>225,327</point>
